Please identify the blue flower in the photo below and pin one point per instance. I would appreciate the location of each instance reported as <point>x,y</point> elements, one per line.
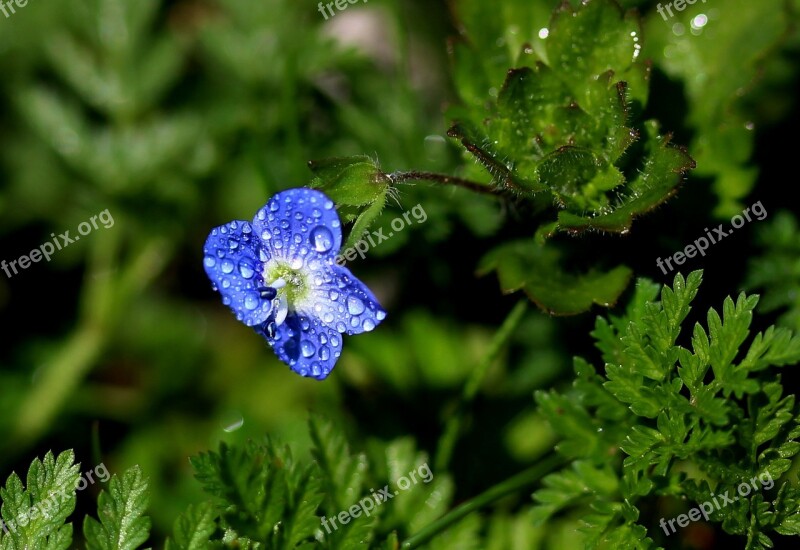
<point>278,275</point>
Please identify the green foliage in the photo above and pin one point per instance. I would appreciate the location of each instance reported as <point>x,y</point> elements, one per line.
<point>534,268</point>
<point>122,525</point>
<point>177,116</point>
<point>707,415</point>
<point>34,516</point>
<point>777,270</point>
<point>563,120</point>
<point>696,47</point>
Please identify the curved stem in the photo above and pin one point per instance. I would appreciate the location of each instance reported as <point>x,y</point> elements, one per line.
<point>507,487</point>
<point>451,431</point>
<point>443,179</point>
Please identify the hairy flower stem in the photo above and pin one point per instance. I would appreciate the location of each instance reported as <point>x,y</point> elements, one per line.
<point>511,485</point>
<point>443,179</point>
<point>448,439</point>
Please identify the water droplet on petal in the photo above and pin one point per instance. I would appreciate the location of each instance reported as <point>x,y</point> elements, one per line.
<point>324,353</point>
<point>354,305</point>
<point>246,270</point>
<point>328,205</point>
<point>227,266</point>
<point>296,263</point>
<point>333,295</point>
<point>368,325</point>
<point>226,283</point>
<point>380,315</point>
<point>321,238</point>
<point>251,300</point>
<point>266,235</point>
<point>210,261</point>
<point>274,206</point>
<point>307,348</point>
<point>327,317</point>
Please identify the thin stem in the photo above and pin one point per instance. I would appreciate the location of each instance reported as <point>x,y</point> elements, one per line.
<point>453,427</point>
<point>507,487</point>
<point>444,179</point>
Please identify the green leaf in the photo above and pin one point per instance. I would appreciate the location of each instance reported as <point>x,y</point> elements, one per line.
<point>193,529</point>
<point>262,494</point>
<point>122,525</point>
<point>562,123</point>
<point>34,516</point>
<point>534,268</point>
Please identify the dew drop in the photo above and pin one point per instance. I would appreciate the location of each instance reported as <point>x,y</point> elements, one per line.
<point>334,295</point>
<point>251,300</point>
<point>380,315</point>
<point>321,238</point>
<point>327,317</point>
<point>266,235</point>
<point>324,353</point>
<point>307,348</point>
<point>246,270</point>
<point>354,305</point>
<point>368,325</point>
<point>210,261</point>
<point>227,266</point>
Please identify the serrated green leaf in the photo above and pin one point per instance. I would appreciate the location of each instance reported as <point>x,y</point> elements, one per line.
<point>121,508</point>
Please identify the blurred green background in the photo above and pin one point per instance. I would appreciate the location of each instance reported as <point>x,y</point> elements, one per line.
<point>178,116</point>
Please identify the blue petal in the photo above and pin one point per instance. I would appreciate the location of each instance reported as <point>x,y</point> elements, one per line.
<point>233,263</point>
<point>344,304</point>
<point>299,223</point>
<point>306,345</point>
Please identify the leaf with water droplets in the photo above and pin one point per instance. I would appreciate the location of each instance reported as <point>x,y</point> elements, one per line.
<point>563,122</point>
